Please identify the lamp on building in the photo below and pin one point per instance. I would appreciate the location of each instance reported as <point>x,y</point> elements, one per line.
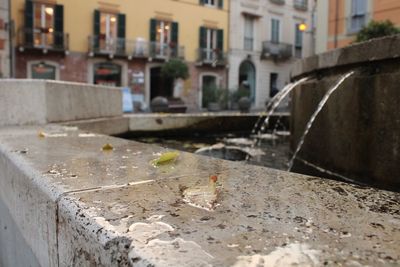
<point>49,10</point>
<point>302,27</point>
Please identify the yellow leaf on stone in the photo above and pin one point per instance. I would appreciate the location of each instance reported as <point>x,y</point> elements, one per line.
<point>41,134</point>
<point>107,147</point>
<point>165,158</point>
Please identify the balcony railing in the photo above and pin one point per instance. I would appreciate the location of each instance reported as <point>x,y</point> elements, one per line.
<point>44,39</point>
<point>211,56</point>
<point>300,5</point>
<point>165,51</point>
<point>276,51</point>
<point>133,48</point>
<point>278,2</point>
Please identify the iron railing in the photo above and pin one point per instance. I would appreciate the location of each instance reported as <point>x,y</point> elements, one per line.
<point>276,51</point>
<point>211,56</point>
<point>133,48</point>
<point>44,39</point>
<point>300,5</point>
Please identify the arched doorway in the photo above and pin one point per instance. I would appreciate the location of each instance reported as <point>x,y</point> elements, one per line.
<point>247,77</point>
<point>107,73</point>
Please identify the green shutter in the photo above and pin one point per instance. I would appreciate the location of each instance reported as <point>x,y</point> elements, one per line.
<point>221,4</point>
<point>220,40</point>
<point>59,26</point>
<point>96,29</point>
<point>121,33</point>
<point>175,33</point>
<point>153,31</point>
<point>28,22</point>
<point>203,37</point>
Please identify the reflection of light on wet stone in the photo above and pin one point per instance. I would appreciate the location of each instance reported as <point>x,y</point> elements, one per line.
<point>299,255</point>
<point>86,135</point>
<point>143,232</point>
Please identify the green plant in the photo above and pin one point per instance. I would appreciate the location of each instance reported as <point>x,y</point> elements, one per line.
<point>213,94</point>
<point>239,93</point>
<point>175,69</point>
<point>376,29</point>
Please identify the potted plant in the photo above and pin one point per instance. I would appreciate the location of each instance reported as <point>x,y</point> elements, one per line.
<point>215,98</point>
<point>240,99</point>
<point>178,71</point>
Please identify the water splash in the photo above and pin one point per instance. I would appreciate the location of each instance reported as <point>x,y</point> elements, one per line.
<point>263,121</point>
<point>273,105</point>
<point>314,116</point>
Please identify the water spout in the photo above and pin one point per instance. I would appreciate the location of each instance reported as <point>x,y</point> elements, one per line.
<point>314,116</point>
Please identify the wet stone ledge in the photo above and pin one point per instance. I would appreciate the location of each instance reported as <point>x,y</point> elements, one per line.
<point>74,204</point>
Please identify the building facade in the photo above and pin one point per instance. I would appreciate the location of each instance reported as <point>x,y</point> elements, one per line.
<point>5,53</point>
<point>123,43</point>
<point>340,20</point>
<point>265,40</point>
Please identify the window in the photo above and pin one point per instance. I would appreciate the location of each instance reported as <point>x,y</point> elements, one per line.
<point>43,70</point>
<point>211,44</point>
<point>273,84</point>
<point>212,3</point>
<point>275,30</point>
<point>164,38</point>
<point>107,73</point>
<point>298,42</point>
<point>248,33</point>
<point>43,25</point>
<point>358,15</point>
<point>108,31</point>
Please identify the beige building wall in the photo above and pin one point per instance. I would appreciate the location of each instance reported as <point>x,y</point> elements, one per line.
<point>263,12</point>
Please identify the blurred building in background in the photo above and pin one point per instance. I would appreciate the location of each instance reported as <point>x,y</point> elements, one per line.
<point>5,51</point>
<point>340,20</point>
<point>265,40</point>
<point>122,43</point>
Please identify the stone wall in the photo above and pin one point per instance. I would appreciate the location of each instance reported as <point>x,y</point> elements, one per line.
<point>357,133</point>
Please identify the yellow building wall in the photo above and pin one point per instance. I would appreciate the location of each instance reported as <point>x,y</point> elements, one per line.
<point>78,19</point>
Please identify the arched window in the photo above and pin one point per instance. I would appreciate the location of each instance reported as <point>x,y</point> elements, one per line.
<point>247,77</point>
<point>43,70</point>
<point>107,73</point>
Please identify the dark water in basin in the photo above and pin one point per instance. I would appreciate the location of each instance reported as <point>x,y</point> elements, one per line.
<point>275,152</point>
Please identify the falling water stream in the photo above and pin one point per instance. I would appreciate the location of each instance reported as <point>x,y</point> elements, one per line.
<point>314,116</point>
<point>263,121</point>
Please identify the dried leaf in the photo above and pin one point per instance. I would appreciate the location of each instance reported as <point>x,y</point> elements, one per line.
<point>107,147</point>
<point>41,134</point>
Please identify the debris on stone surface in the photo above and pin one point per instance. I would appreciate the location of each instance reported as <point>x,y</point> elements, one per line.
<point>203,197</point>
<point>107,147</point>
<point>166,158</point>
<point>41,134</point>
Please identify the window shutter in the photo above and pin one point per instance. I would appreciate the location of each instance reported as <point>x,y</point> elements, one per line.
<point>203,37</point>
<point>59,26</point>
<point>28,22</point>
<point>221,4</point>
<point>220,40</point>
<point>153,32</point>
<point>121,32</point>
<point>201,2</point>
<point>175,33</point>
<point>96,29</point>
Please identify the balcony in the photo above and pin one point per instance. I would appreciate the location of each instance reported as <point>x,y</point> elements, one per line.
<point>120,47</point>
<point>42,39</point>
<point>301,5</point>
<point>165,51</point>
<point>278,2</point>
<point>276,51</point>
<point>213,57</point>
